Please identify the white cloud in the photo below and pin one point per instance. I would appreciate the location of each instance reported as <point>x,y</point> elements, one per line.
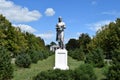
<point>96,26</point>
<point>17,13</point>
<point>113,13</point>
<point>49,12</point>
<point>25,28</point>
<point>47,35</point>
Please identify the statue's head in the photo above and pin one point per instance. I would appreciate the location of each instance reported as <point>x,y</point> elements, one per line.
<point>60,19</point>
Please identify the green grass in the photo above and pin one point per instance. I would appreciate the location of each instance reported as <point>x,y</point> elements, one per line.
<point>47,64</point>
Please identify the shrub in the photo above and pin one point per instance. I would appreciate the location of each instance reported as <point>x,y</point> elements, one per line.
<point>34,55</point>
<point>77,54</point>
<point>6,69</point>
<point>95,57</point>
<point>114,70</point>
<point>85,72</point>
<point>23,60</point>
<point>45,53</point>
<point>55,75</point>
<point>41,55</point>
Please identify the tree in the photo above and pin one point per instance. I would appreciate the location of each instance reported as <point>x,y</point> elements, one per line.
<point>16,41</point>
<point>78,54</point>
<point>95,57</point>
<point>34,55</point>
<point>23,60</point>
<point>114,70</point>
<point>34,42</point>
<point>52,43</point>
<point>72,44</point>
<point>108,38</point>
<point>84,40</point>
<point>6,69</point>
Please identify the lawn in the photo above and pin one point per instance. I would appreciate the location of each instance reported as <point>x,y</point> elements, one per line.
<point>47,64</point>
<point>42,65</point>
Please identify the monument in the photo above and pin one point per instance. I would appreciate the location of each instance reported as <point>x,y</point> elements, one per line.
<point>61,53</point>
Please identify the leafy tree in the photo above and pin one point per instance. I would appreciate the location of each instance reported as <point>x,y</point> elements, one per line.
<point>52,43</point>
<point>72,44</point>
<point>108,38</point>
<point>6,69</point>
<point>4,24</point>
<point>16,41</point>
<point>95,57</point>
<point>84,40</point>
<point>35,43</point>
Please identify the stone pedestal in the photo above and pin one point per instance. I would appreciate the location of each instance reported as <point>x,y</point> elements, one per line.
<point>61,59</point>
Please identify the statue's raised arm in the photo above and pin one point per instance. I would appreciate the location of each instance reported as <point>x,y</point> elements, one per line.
<point>60,32</point>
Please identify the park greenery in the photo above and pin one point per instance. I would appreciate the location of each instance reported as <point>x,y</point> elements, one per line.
<point>83,72</point>
<point>24,47</point>
<point>100,55</point>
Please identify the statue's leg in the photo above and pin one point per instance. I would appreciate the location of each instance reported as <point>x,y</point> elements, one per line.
<point>57,36</point>
<point>62,45</point>
<point>59,44</point>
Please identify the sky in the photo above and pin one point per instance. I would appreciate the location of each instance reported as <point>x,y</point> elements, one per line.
<point>41,16</point>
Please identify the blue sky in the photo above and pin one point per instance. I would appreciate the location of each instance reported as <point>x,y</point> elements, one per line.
<point>40,16</point>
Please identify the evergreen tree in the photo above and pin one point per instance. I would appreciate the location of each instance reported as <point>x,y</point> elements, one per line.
<point>114,70</point>
<point>95,57</point>
<point>6,70</point>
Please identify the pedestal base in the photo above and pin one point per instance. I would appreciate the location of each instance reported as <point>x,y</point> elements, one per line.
<point>61,59</point>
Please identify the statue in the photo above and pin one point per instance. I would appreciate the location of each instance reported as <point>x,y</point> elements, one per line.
<point>60,33</point>
<point>61,53</point>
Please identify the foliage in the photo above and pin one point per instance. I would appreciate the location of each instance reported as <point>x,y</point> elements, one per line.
<point>52,43</point>
<point>47,53</point>
<point>34,55</point>
<point>35,43</point>
<point>72,44</point>
<point>77,54</point>
<point>95,57</point>
<point>16,41</point>
<point>48,64</point>
<point>54,75</point>
<point>84,40</point>
<point>108,38</point>
<point>6,70</point>
<point>85,72</point>
<point>114,70</point>
<point>23,60</point>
